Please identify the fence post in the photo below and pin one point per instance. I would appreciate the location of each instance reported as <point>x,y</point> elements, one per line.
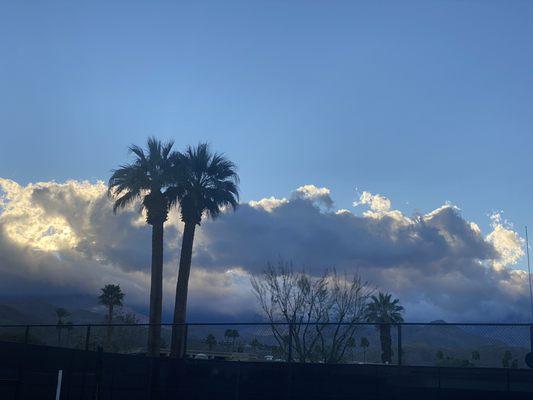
<point>289,360</point>
<point>531,337</point>
<point>87,337</point>
<point>98,373</point>
<point>289,356</point>
<point>185,333</point>
<point>22,366</point>
<point>399,344</point>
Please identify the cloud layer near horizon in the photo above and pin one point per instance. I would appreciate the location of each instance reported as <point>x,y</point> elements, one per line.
<point>63,238</point>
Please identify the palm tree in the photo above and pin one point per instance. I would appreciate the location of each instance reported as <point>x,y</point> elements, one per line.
<point>382,310</point>
<point>147,179</point>
<point>364,345</point>
<point>507,357</point>
<point>227,335</point>
<point>205,183</point>
<point>111,297</point>
<point>210,341</point>
<point>61,313</point>
<point>234,336</point>
<point>255,344</point>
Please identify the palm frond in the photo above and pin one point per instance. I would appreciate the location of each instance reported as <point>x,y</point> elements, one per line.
<point>203,183</point>
<point>138,151</point>
<point>150,172</point>
<point>125,200</point>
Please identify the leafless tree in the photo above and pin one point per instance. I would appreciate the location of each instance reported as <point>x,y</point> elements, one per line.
<point>321,312</point>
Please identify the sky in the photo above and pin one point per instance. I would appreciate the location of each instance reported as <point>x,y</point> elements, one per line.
<point>421,104</point>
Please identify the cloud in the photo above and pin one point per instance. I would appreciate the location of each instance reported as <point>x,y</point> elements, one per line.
<point>268,204</point>
<point>507,243</point>
<point>64,238</point>
<point>314,194</point>
<point>376,202</point>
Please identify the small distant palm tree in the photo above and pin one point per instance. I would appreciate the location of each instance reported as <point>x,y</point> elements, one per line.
<point>255,344</point>
<point>231,334</point>
<point>227,336</point>
<point>205,183</point>
<point>506,359</point>
<point>384,311</point>
<point>475,355</point>
<point>61,314</point>
<point>111,297</point>
<point>364,345</point>
<point>210,341</point>
<point>234,336</point>
<point>147,179</point>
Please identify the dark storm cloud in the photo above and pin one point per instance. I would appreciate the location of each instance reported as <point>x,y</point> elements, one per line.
<point>300,231</point>
<point>64,238</point>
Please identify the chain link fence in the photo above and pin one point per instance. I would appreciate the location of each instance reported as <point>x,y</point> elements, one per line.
<point>433,344</point>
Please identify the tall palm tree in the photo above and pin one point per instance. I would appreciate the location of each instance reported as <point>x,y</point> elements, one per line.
<point>205,184</point>
<point>110,297</point>
<point>384,311</point>
<point>147,179</point>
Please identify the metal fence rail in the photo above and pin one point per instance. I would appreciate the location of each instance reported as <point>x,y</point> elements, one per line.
<point>496,345</point>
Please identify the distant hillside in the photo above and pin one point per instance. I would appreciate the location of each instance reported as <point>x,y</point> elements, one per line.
<point>41,310</point>
<point>37,311</point>
<point>450,336</point>
<point>10,315</point>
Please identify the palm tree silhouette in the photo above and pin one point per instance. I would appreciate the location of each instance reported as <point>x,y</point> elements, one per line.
<point>255,344</point>
<point>111,297</point>
<point>210,341</point>
<point>204,184</point>
<point>227,335</point>
<point>232,334</point>
<point>147,179</point>
<point>384,311</point>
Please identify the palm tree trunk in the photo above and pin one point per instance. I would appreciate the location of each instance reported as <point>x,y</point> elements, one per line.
<point>156,291</point>
<point>109,327</point>
<point>177,348</point>
<point>386,343</point>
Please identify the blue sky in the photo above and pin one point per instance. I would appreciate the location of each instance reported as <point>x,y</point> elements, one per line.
<point>422,101</point>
